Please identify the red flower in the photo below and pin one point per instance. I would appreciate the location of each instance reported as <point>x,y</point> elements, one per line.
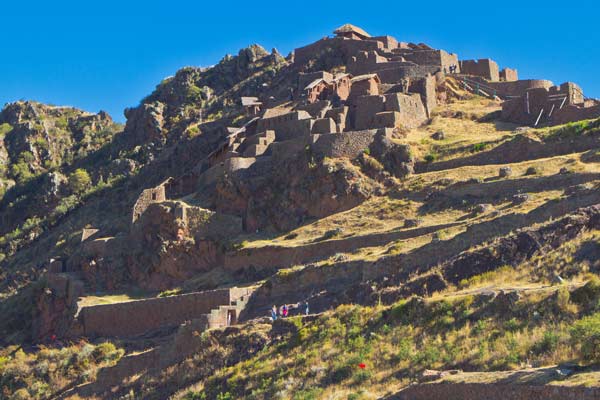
<point>362,366</point>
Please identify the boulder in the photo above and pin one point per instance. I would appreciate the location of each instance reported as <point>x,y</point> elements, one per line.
<point>505,172</point>
<point>439,135</point>
<point>482,208</point>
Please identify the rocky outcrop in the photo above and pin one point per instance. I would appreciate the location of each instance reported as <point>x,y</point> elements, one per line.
<point>187,98</point>
<point>43,135</point>
<point>281,195</point>
<point>55,307</point>
<point>494,391</point>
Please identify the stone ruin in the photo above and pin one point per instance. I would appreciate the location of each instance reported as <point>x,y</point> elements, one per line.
<point>384,85</point>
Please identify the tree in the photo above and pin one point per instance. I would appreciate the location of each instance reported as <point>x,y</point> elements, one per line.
<point>79,181</point>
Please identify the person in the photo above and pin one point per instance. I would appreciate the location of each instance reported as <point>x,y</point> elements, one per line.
<point>284,312</point>
<point>274,313</point>
<point>306,307</point>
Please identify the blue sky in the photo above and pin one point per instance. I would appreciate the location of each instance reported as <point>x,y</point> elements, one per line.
<point>108,55</point>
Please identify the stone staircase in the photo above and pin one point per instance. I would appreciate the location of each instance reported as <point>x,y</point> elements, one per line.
<point>258,144</point>
<point>478,88</point>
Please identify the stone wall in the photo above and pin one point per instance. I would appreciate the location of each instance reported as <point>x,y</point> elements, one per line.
<point>395,75</point>
<point>333,51</point>
<point>515,88</point>
<point>409,109</point>
<point>389,42</point>
<point>439,58</point>
<point>324,125</point>
<point>572,113</point>
<point>426,87</point>
<point>346,144</point>
<point>305,78</point>
<point>228,166</point>
<point>509,75</point>
<point>287,126</point>
<point>483,67</point>
<point>364,109</point>
<point>478,391</point>
<point>148,196</point>
<point>289,149</point>
<point>557,104</point>
<point>316,109</point>
<point>141,316</point>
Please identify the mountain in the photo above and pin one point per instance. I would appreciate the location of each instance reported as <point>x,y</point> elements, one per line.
<point>431,224</point>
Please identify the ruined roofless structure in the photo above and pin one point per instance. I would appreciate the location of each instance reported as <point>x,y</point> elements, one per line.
<point>386,85</point>
<point>351,32</point>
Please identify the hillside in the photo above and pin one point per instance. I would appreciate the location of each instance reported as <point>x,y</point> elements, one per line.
<point>432,224</point>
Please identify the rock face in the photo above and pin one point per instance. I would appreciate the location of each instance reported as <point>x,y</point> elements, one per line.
<point>396,158</point>
<point>281,195</point>
<point>55,306</point>
<point>37,141</point>
<point>190,96</point>
<point>42,135</point>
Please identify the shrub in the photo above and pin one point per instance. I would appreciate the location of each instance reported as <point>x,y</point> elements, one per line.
<point>168,293</point>
<point>478,147</point>
<point>512,325</point>
<point>431,157</point>
<point>79,181</point>
<point>586,333</point>
<point>372,163</point>
<point>362,376</point>
<point>224,396</point>
<point>588,293</point>
<point>563,299</point>
<point>105,352</point>
<point>4,129</point>
<point>548,343</point>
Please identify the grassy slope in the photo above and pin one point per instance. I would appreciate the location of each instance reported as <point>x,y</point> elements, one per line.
<point>459,328</point>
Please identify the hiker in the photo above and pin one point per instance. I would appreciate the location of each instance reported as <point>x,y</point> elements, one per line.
<point>284,311</point>
<point>274,313</point>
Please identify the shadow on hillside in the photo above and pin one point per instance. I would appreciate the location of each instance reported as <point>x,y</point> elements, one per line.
<point>345,282</point>
<point>461,194</point>
<point>520,148</point>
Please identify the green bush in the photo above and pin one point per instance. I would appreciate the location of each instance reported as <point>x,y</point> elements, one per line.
<point>79,181</point>
<point>589,293</point>
<point>431,157</point>
<point>478,147</point>
<point>105,352</point>
<point>586,333</point>
<point>4,129</point>
<point>548,343</point>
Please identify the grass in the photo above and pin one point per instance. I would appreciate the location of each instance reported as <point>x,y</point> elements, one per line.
<point>398,342</point>
<point>43,374</point>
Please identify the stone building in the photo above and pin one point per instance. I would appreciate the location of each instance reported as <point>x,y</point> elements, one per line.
<point>509,75</point>
<point>364,85</point>
<point>319,89</point>
<point>550,106</point>
<point>350,31</point>
<point>147,197</point>
<point>484,67</point>
<point>251,105</point>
